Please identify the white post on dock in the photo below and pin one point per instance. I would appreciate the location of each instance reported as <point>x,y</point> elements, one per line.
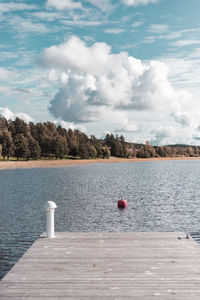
<point>50,209</point>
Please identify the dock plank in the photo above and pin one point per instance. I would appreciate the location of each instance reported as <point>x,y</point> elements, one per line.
<point>149,265</point>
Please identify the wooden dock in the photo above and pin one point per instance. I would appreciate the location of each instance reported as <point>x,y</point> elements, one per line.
<point>120,266</point>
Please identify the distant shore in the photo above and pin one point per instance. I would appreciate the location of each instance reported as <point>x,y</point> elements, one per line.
<point>5,165</point>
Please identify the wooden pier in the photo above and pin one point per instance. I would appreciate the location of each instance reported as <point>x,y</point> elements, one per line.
<point>120,266</point>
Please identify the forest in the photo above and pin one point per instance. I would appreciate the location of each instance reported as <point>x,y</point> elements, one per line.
<point>45,140</point>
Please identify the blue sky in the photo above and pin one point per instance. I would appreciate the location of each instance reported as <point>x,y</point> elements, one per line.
<point>129,67</point>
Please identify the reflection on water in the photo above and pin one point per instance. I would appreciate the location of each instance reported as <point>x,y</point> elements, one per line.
<point>161,196</point>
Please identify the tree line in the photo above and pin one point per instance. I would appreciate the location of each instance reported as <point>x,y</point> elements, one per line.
<point>120,148</point>
<point>46,140</point>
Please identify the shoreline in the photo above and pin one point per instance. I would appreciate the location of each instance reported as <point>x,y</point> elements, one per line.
<point>11,165</point>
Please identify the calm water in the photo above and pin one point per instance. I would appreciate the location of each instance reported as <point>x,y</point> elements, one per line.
<point>161,196</point>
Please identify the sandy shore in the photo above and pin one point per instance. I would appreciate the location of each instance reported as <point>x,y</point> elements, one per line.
<point>66,163</point>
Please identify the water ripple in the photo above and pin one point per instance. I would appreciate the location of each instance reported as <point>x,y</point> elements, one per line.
<point>161,196</point>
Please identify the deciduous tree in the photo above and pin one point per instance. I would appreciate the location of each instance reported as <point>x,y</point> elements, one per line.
<point>21,146</point>
<point>7,144</point>
<point>59,147</point>
<point>34,148</point>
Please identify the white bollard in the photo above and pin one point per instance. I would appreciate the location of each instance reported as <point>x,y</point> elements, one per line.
<point>50,209</point>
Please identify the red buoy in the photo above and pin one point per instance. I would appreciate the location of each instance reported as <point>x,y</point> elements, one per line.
<point>122,203</point>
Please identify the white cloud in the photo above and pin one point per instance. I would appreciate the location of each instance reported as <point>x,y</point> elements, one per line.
<point>174,135</point>
<point>81,23</point>
<point>165,136</point>
<point>96,84</point>
<point>63,4</point>
<point>9,115</point>
<point>89,38</point>
<point>12,6</point>
<point>104,5</point>
<point>165,36</point>
<point>183,43</point>
<point>161,31</point>
<point>195,54</point>
<point>158,28</point>
<point>185,71</point>
<point>182,118</point>
<point>25,25</point>
<point>128,128</point>
<point>114,30</point>
<point>137,24</point>
<point>25,117</point>
<point>138,2</point>
<point>47,16</point>
<point>70,125</point>
<point>28,26</point>
<point>5,74</point>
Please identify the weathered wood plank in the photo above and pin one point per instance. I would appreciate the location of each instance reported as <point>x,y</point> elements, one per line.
<point>107,266</point>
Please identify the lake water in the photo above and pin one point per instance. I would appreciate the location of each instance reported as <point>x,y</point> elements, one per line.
<point>161,196</point>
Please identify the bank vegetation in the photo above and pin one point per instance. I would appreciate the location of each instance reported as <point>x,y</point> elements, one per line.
<point>45,140</point>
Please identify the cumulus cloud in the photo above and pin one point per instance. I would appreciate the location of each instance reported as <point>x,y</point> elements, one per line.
<point>9,115</point>
<point>25,117</point>
<point>162,135</point>
<point>182,118</point>
<point>64,4</point>
<point>95,83</point>
<point>138,2</point>
<point>128,128</point>
<point>172,134</point>
<point>197,138</point>
<point>70,125</point>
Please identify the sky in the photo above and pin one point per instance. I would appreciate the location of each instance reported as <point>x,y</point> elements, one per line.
<point>128,67</point>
